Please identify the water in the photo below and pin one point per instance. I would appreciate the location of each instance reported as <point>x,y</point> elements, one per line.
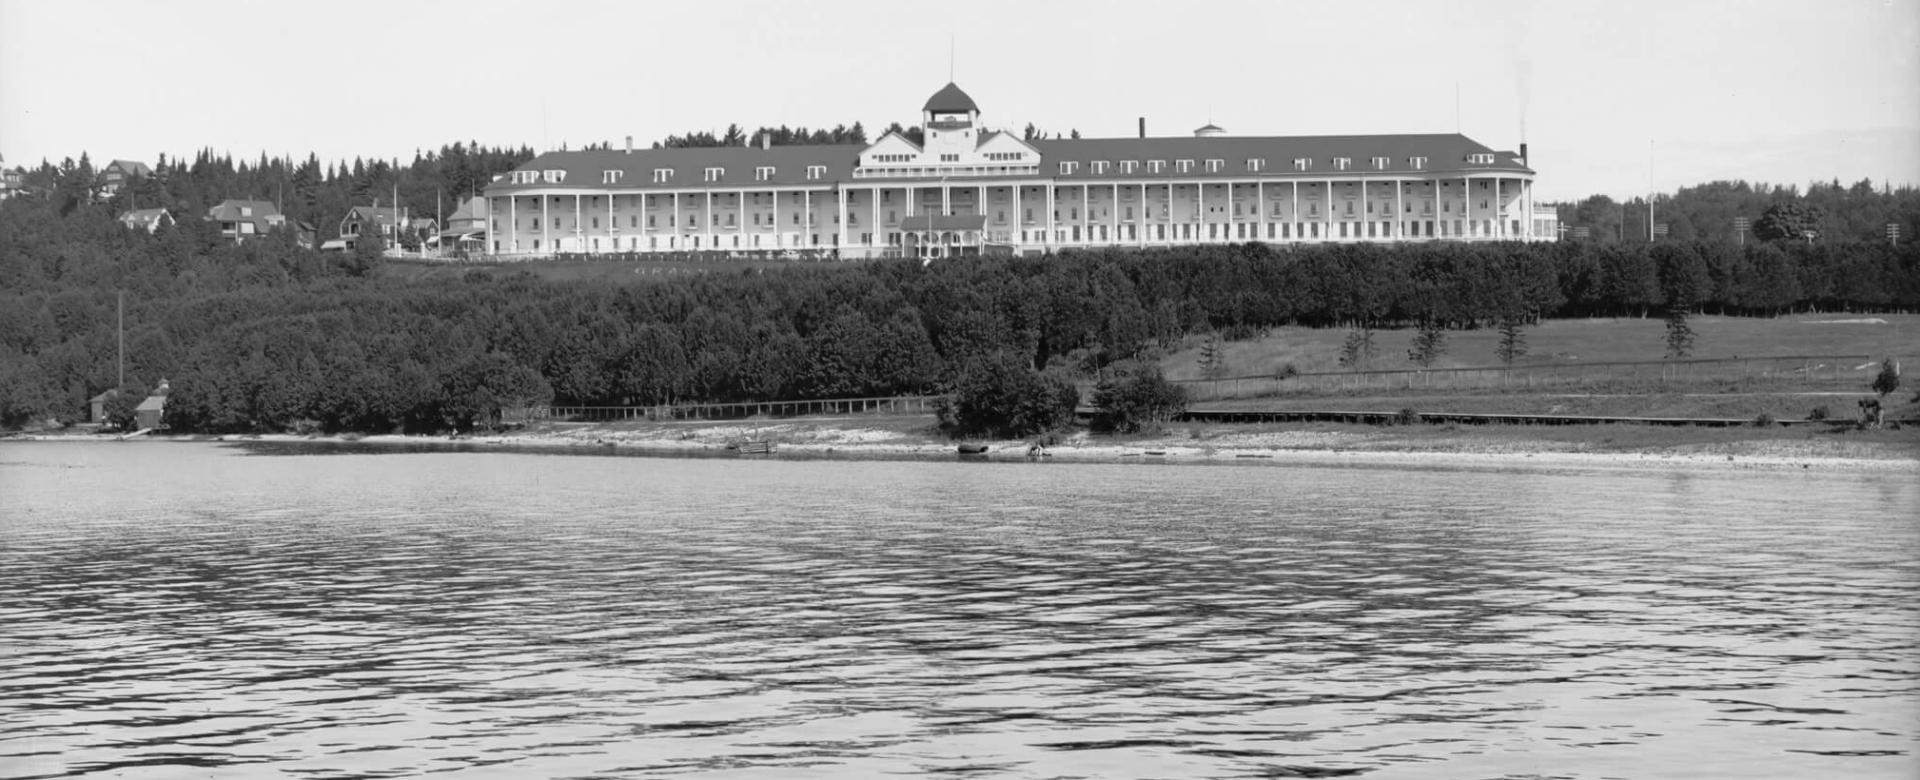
<point>190,610</point>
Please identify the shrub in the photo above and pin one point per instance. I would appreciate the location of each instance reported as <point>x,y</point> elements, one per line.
<point>1819,413</point>
<point>1137,397</point>
<point>1407,416</point>
<point>1763,420</point>
<point>1287,371</point>
<point>1000,395</point>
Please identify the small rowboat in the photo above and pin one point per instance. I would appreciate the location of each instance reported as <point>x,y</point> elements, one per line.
<point>973,449</point>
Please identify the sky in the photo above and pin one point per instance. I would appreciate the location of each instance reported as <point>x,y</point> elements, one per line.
<point>1612,96</point>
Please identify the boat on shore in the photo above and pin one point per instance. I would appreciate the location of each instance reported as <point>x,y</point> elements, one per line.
<point>973,449</point>
<point>753,447</point>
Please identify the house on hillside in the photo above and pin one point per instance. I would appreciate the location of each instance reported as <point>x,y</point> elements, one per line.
<point>241,220</point>
<point>369,220</point>
<point>118,173</point>
<point>466,231</point>
<point>99,405</point>
<point>149,220</point>
<point>11,179</point>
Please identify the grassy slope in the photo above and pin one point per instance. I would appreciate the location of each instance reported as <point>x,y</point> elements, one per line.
<point>1588,341</point>
<point>587,271</point>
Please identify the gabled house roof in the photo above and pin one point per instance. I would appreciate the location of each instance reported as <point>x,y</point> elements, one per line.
<point>127,168</point>
<point>380,215</point>
<point>473,209</point>
<point>1439,153</point>
<point>586,170</point>
<point>262,213</point>
<point>145,218</point>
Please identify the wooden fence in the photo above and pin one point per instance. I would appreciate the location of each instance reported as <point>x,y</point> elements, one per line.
<point>1783,370</point>
<point>906,404</point>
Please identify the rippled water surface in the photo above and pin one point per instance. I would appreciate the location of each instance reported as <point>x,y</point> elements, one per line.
<point>191,610</point>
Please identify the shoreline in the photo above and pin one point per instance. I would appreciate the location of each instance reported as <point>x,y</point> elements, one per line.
<point>854,439</point>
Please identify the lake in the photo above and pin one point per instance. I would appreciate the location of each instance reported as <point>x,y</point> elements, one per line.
<point>200,610</point>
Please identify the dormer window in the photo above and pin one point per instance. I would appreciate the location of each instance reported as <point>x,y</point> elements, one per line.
<point>1302,164</point>
<point>1127,166</point>
<point>246,211</point>
<point>1341,163</point>
<point>662,175</point>
<point>1067,168</point>
<point>1480,159</point>
<point>1417,163</point>
<point>815,172</point>
<point>1156,166</point>
<point>1214,166</point>
<point>1254,164</point>
<point>1379,163</point>
<point>555,177</point>
<point>1183,166</point>
<point>525,177</point>
<point>714,174</point>
<point>610,177</point>
<point>1099,167</point>
<point>763,173</point>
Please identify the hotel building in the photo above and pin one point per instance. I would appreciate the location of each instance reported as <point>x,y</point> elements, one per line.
<point>970,189</point>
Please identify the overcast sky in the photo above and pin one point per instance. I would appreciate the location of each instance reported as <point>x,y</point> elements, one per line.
<point>1783,91</point>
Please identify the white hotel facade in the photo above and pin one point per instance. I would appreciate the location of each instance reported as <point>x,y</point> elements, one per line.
<point>970,189</point>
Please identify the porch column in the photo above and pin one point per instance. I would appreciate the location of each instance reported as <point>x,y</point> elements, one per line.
<point>1140,225</point>
<point>1050,213</point>
<point>1399,225</point>
<point>1329,234</point>
<point>873,234</point>
<point>806,222</point>
<point>513,224</point>
<point>1499,211</point>
<point>1019,219</point>
<point>1260,210</point>
<point>1113,216</point>
<point>544,239</point>
<point>1365,222</point>
<point>776,219</point>
<point>1295,216</point>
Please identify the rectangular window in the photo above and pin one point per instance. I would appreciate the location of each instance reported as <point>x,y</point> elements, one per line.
<point>1255,164</point>
<point>1213,166</point>
<point>949,158</point>
<point>714,174</point>
<point>1379,163</point>
<point>1341,163</point>
<point>762,173</point>
<point>662,175</point>
<point>1127,166</point>
<point>1302,163</point>
<point>1156,166</point>
<point>610,177</point>
<point>650,221</point>
<point>1067,168</point>
<point>1099,167</point>
<point>1417,163</point>
<point>815,172</point>
<point>1184,166</point>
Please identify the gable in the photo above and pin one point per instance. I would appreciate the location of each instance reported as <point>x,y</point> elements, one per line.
<point>891,143</point>
<point>1006,143</point>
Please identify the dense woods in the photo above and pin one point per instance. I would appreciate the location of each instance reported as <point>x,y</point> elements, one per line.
<point>267,335</point>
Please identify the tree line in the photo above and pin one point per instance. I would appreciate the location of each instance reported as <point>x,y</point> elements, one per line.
<point>306,190</point>
<point>268,335</point>
<point>1708,212</point>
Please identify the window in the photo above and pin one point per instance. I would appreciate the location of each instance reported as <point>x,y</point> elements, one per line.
<point>1379,163</point>
<point>1004,156</point>
<point>1183,166</point>
<point>610,177</point>
<point>1255,164</point>
<point>1480,159</point>
<point>1213,166</point>
<point>1067,168</point>
<point>525,177</point>
<point>554,177</point>
<point>814,172</point>
<point>1302,163</point>
<point>1417,163</point>
<point>714,174</point>
<point>1099,167</point>
<point>662,175</point>
<point>1156,166</point>
<point>762,173</point>
<point>949,158</point>
<point>1341,163</point>
<point>892,158</point>
<point>596,223</point>
<point>1127,166</point>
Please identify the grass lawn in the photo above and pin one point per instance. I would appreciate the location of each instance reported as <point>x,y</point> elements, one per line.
<point>1578,341</point>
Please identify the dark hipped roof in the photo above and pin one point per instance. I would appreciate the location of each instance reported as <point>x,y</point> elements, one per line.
<point>950,98</point>
<point>1443,154</point>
